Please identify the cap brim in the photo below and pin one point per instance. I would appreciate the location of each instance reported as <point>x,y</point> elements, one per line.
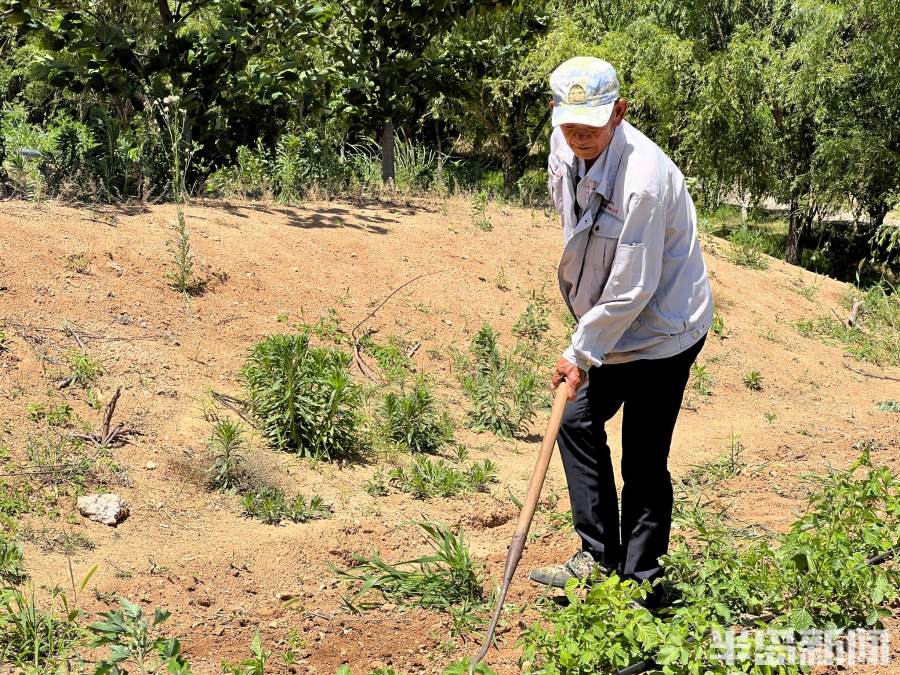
<point>593,115</point>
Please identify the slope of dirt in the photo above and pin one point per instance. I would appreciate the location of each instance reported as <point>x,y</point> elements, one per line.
<point>224,576</point>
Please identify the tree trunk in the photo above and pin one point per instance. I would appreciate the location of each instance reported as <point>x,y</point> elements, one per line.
<point>387,154</point>
<point>796,225</point>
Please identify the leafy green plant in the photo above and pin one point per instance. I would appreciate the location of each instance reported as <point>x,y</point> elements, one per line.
<point>227,469</point>
<point>271,506</point>
<point>377,486</point>
<point>753,380</point>
<point>303,397</point>
<point>133,640</point>
<point>503,390</point>
<point>83,369</point>
<point>889,406</point>
<point>717,327</point>
<point>255,665</point>
<point>533,323</point>
<point>12,565</point>
<point>412,421</point>
<point>392,357</point>
<point>701,380</point>
<point>36,637</point>
<point>446,577</point>
<point>480,218</point>
<point>425,478</point>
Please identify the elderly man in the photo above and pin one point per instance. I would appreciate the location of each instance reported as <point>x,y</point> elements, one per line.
<point>633,277</point>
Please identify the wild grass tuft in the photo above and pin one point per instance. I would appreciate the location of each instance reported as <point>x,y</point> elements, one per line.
<point>271,506</point>
<point>447,577</point>
<point>701,380</point>
<point>503,390</point>
<point>227,464</point>
<point>303,397</point>
<point>534,322</point>
<point>753,380</point>
<point>84,370</point>
<point>425,478</point>
<point>412,421</point>
<point>12,562</point>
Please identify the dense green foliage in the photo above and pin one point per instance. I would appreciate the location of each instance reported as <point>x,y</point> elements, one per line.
<point>797,101</point>
<point>303,396</point>
<point>413,422</point>
<point>814,576</point>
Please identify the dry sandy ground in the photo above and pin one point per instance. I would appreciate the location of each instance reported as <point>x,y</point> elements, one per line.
<point>223,575</point>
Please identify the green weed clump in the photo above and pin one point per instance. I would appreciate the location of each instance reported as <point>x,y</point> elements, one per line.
<point>391,357</point>
<point>753,380</point>
<point>12,562</point>
<point>874,338</point>
<point>84,370</point>
<point>37,638</point>
<point>889,406</point>
<point>446,578</point>
<point>271,506</point>
<point>814,576</point>
<point>303,397</point>
<point>503,390</point>
<point>534,322</point>
<point>227,467</point>
<point>134,640</point>
<point>413,423</point>
<point>425,478</point>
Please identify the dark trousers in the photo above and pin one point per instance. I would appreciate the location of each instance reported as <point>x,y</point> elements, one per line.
<point>651,392</point>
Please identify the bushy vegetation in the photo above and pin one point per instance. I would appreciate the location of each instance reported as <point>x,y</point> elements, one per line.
<point>425,478</point>
<point>814,576</point>
<point>413,422</point>
<point>303,397</point>
<point>272,506</point>
<point>503,389</point>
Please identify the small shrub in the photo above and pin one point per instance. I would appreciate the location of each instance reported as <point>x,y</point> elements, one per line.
<point>425,478</point>
<point>392,357</point>
<point>753,380</point>
<point>701,380</point>
<point>503,391</point>
<point>134,640</point>
<point>83,369</point>
<point>78,263</point>
<point>533,323</point>
<point>181,276</point>
<point>377,486</point>
<point>227,464</point>
<point>35,638</point>
<point>718,325</point>
<point>413,422</point>
<point>303,397</point>
<point>480,218</point>
<point>271,506</point>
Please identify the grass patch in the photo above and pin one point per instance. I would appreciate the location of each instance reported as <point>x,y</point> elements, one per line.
<point>391,357</point>
<point>12,562</point>
<point>303,397</point>
<point>34,638</point>
<point>424,478</point>
<point>447,577</point>
<point>84,370</point>
<point>412,422</point>
<point>271,506</point>
<point>729,465</point>
<point>874,338</point>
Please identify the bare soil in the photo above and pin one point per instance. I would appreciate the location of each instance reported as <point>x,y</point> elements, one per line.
<point>224,576</point>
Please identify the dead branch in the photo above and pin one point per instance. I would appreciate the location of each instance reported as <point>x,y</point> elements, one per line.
<point>412,350</point>
<point>857,309</point>
<point>361,364</point>
<point>110,438</point>
<point>868,374</point>
<point>72,332</point>
<point>238,406</point>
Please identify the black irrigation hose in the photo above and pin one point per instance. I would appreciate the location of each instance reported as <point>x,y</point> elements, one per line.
<point>648,663</point>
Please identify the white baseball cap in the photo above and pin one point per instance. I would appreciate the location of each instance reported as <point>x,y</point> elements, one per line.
<point>585,90</point>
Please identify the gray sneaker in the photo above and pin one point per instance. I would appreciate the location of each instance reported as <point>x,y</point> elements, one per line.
<point>579,566</point>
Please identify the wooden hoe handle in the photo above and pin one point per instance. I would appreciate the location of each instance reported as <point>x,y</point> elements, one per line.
<point>529,506</point>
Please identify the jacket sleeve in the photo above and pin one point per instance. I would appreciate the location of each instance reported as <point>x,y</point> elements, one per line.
<point>633,280</point>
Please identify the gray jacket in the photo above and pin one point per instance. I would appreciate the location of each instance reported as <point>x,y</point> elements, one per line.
<point>631,271</point>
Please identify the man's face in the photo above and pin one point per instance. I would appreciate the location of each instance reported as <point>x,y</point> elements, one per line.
<point>588,142</point>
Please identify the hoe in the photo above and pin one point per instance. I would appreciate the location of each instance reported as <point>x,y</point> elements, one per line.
<point>527,513</point>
